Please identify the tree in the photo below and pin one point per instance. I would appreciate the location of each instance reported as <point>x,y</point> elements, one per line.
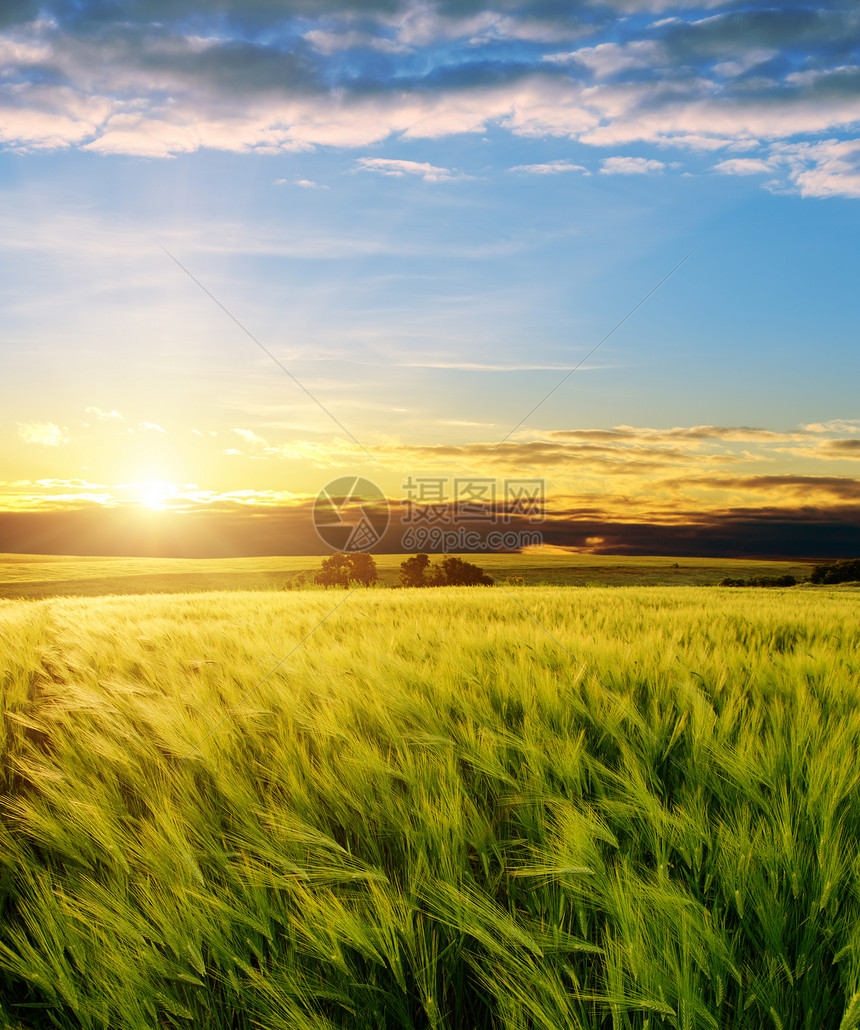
<point>846,571</point>
<point>339,570</point>
<point>452,572</point>
<point>759,581</point>
<point>458,573</point>
<point>413,572</point>
<point>363,569</point>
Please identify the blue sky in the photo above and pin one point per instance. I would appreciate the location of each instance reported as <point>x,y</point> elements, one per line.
<point>429,213</point>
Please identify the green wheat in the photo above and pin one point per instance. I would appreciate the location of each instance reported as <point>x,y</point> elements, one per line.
<point>431,815</point>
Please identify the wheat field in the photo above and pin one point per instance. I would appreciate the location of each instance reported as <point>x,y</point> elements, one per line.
<point>528,807</point>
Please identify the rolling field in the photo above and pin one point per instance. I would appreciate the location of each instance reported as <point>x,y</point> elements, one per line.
<point>520,808</point>
<point>35,576</point>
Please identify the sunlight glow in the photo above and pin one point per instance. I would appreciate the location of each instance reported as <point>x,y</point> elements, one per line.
<point>154,495</point>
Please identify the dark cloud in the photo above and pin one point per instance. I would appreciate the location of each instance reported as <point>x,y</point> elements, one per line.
<point>842,448</point>
<point>261,12</point>
<point>775,532</point>
<point>838,487</point>
<point>788,27</point>
<point>818,533</point>
<point>16,12</point>
<point>636,456</point>
<point>134,60</point>
<point>623,434</point>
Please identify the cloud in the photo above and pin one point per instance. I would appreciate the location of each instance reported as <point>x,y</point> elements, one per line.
<point>391,166</point>
<point>47,434</point>
<point>688,457</point>
<point>224,526</point>
<point>840,449</point>
<point>827,169</point>
<point>65,484</point>
<point>623,489</point>
<point>423,24</point>
<point>630,166</point>
<point>607,59</point>
<point>486,366</point>
<point>249,436</point>
<point>306,184</point>
<point>743,166</point>
<point>102,415</point>
<point>550,168</point>
<point>327,42</point>
<point>15,11</point>
<point>778,83</point>
<point>843,488</point>
<point>150,427</point>
<point>732,69</point>
<point>694,434</point>
<point>836,425</point>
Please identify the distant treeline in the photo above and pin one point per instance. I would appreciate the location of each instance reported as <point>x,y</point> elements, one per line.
<point>359,569</point>
<point>846,571</point>
<point>451,572</point>
<point>759,581</point>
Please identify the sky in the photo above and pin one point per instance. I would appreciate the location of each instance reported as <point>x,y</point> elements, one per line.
<point>249,247</point>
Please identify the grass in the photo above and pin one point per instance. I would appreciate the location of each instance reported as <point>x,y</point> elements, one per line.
<point>431,814</point>
<point>36,576</point>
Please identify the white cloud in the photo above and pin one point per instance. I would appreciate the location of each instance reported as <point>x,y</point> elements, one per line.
<point>698,111</point>
<point>47,434</point>
<point>391,166</point>
<point>150,427</point>
<point>53,484</point>
<point>550,168</point>
<point>835,425</point>
<point>630,166</point>
<point>422,25</point>
<point>306,184</point>
<point>743,166</point>
<point>607,59</point>
<point>249,436</point>
<point>827,169</point>
<point>102,415</point>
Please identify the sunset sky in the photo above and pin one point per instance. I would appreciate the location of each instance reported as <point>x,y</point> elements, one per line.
<point>428,214</point>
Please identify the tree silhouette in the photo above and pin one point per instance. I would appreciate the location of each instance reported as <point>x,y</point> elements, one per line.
<point>363,569</point>
<point>454,572</point>
<point>845,571</point>
<point>339,570</point>
<point>413,572</point>
<point>418,572</point>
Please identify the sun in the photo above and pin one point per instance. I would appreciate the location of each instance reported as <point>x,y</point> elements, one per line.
<point>154,495</point>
